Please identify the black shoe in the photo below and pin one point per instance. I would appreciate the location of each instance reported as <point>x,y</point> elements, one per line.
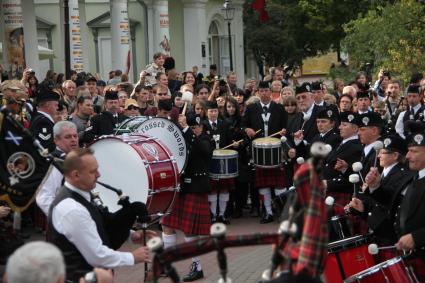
<point>223,219</point>
<point>267,219</point>
<point>193,274</point>
<point>213,219</point>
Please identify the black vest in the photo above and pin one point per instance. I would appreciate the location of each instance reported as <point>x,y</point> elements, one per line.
<point>76,265</point>
<point>409,116</point>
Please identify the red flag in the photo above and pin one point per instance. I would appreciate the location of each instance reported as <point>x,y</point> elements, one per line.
<point>128,63</point>
<point>260,6</point>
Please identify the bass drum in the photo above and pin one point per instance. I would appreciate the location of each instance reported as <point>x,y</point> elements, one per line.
<point>130,125</point>
<point>168,133</point>
<point>139,165</point>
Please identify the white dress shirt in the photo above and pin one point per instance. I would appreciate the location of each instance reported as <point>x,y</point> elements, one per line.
<point>73,220</point>
<point>48,189</point>
<point>421,173</point>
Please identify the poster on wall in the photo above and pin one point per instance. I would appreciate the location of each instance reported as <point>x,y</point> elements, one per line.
<point>164,31</point>
<point>76,47</point>
<point>13,46</point>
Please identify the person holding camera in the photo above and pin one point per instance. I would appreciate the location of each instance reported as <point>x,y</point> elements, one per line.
<point>414,112</point>
<point>381,84</point>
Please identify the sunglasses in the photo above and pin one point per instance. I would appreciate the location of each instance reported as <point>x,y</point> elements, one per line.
<point>162,94</point>
<point>131,107</point>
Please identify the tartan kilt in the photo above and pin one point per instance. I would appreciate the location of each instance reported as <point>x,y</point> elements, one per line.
<point>40,218</point>
<point>418,266</point>
<point>222,184</point>
<point>190,214</point>
<point>341,200</point>
<point>273,177</point>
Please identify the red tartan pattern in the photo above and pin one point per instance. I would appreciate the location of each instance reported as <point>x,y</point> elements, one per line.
<point>190,214</point>
<point>40,219</point>
<point>418,267</point>
<point>314,240</point>
<point>274,177</point>
<point>222,184</point>
<point>341,200</point>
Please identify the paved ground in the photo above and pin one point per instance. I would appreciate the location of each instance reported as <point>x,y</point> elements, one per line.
<point>245,264</point>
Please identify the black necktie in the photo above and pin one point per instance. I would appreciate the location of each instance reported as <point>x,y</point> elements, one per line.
<point>265,109</point>
<point>214,125</point>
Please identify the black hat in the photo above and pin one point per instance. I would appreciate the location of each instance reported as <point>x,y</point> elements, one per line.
<point>394,143</point>
<point>165,104</point>
<point>305,87</point>
<point>363,94</point>
<point>46,94</point>
<point>264,84</point>
<point>414,127</point>
<point>213,67</point>
<point>111,95</point>
<point>370,119</point>
<point>327,113</point>
<point>416,139</point>
<point>211,105</point>
<point>101,83</point>
<point>349,117</point>
<point>194,120</point>
<point>91,78</point>
<point>316,86</point>
<point>413,89</point>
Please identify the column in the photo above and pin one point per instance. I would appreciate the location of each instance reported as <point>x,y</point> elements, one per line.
<point>238,45</point>
<point>30,38</point>
<point>75,40</point>
<point>84,31</point>
<point>13,44</point>
<point>161,31</point>
<point>195,34</point>
<point>120,39</point>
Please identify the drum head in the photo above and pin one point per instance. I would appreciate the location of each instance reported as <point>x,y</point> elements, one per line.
<point>120,166</point>
<point>130,125</point>
<point>170,135</point>
<point>225,152</point>
<point>266,142</point>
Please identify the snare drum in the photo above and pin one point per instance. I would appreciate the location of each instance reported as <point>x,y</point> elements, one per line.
<point>224,164</point>
<point>390,271</point>
<point>347,257</point>
<point>339,228</point>
<point>141,167</point>
<point>266,152</point>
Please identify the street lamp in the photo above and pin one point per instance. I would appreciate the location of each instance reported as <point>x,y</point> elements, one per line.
<point>229,13</point>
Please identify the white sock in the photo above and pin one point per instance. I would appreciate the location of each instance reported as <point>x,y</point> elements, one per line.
<point>279,191</point>
<point>195,259</point>
<point>212,198</point>
<point>267,195</point>
<point>169,240</point>
<point>222,201</point>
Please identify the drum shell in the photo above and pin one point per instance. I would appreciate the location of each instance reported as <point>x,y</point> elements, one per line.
<point>339,228</point>
<point>266,152</point>
<point>353,255</point>
<point>224,164</point>
<point>390,271</point>
<point>141,167</point>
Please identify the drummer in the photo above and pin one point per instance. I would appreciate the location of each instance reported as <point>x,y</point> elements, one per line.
<point>270,118</point>
<point>383,192</point>
<point>219,132</point>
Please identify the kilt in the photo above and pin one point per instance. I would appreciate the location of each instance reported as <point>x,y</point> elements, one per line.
<point>222,184</point>
<point>418,265</point>
<point>273,177</point>
<point>190,214</point>
<point>341,200</point>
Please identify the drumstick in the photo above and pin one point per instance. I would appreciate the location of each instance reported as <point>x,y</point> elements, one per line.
<point>184,108</point>
<point>235,142</point>
<point>273,135</point>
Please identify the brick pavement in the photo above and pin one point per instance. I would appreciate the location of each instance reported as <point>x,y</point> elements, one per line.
<point>245,264</point>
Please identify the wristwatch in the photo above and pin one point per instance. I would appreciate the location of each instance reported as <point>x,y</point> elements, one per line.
<point>90,277</point>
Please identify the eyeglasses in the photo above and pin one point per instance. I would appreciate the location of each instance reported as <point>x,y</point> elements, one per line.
<point>131,107</point>
<point>290,105</point>
<point>162,93</point>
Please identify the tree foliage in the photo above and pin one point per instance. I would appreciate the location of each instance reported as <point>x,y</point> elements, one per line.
<point>390,37</point>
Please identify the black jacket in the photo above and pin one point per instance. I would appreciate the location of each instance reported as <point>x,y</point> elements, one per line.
<point>310,127</point>
<point>195,178</point>
<point>222,129</point>
<point>41,128</point>
<point>103,124</point>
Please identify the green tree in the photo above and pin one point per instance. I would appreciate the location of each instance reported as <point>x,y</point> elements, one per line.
<point>391,37</point>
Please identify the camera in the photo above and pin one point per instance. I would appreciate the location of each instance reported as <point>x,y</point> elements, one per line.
<point>222,83</point>
<point>386,73</point>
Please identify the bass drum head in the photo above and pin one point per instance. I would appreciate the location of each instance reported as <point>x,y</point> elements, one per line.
<point>130,125</point>
<point>120,166</point>
<point>170,135</point>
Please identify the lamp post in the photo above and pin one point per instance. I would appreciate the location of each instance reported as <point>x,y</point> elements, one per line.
<point>229,13</point>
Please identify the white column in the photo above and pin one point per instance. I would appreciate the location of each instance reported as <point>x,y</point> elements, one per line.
<point>84,31</point>
<point>195,34</point>
<point>13,44</point>
<point>161,31</point>
<point>238,44</point>
<point>30,35</point>
<point>149,6</point>
<point>75,40</point>
<point>120,39</point>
